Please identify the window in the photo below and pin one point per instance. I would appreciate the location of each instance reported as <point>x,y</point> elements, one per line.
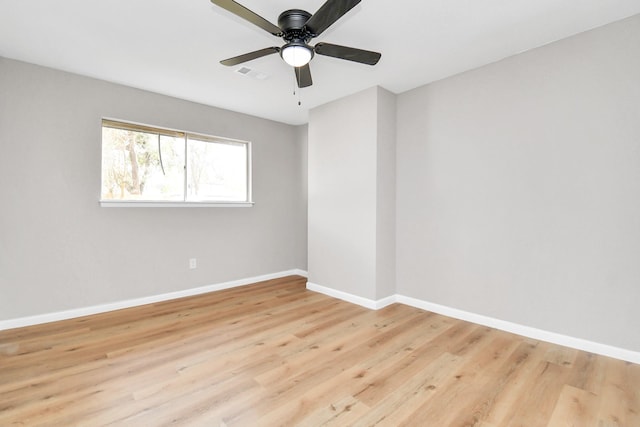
<point>148,166</point>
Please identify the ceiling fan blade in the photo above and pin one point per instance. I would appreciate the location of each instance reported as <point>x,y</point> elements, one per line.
<point>303,76</point>
<point>244,13</point>
<point>249,56</point>
<point>329,13</point>
<point>349,53</point>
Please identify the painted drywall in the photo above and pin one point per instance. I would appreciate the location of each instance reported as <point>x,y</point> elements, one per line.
<point>301,242</point>
<point>518,188</point>
<point>342,194</point>
<point>60,250</point>
<point>352,195</point>
<point>386,194</point>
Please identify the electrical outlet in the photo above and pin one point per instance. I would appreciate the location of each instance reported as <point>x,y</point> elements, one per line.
<point>193,263</point>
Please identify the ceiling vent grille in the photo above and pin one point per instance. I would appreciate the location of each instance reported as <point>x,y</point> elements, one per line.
<point>246,71</point>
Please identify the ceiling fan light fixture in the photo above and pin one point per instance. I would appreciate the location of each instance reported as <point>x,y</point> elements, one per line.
<point>297,28</point>
<point>296,54</point>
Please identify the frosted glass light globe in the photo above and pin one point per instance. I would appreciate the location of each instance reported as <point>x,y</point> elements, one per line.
<point>296,55</point>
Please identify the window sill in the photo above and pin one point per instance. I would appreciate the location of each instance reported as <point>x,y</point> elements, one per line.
<point>151,204</point>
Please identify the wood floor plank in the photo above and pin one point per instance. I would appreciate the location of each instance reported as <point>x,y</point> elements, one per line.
<point>464,388</point>
<point>588,372</point>
<point>490,381</point>
<point>575,408</point>
<point>373,372</point>
<point>274,353</point>
<point>343,412</point>
<point>330,360</point>
<point>384,382</point>
<point>398,406</point>
<point>620,395</point>
<point>545,386</point>
<point>514,383</point>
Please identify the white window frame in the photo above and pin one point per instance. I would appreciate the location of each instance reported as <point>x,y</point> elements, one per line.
<point>176,204</point>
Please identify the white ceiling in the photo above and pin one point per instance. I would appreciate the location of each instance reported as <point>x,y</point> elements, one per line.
<point>173,46</point>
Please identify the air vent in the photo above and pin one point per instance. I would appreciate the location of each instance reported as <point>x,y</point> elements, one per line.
<point>257,75</point>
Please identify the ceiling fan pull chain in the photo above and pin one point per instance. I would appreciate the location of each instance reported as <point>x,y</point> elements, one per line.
<point>296,90</point>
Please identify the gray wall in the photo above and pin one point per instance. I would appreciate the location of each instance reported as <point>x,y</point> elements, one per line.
<point>386,194</point>
<point>352,194</point>
<point>342,194</point>
<point>301,146</point>
<point>519,188</point>
<point>59,250</point>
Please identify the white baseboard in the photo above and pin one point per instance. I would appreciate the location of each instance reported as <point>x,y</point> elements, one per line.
<point>85,311</point>
<point>364,302</point>
<point>527,331</point>
<point>382,303</point>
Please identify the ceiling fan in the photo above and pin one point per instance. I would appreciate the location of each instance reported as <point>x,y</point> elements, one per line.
<point>297,27</point>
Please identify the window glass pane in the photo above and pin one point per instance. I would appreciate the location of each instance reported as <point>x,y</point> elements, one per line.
<point>141,166</point>
<point>150,164</point>
<point>216,171</point>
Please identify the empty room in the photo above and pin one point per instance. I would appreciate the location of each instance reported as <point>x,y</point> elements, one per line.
<point>320,213</point>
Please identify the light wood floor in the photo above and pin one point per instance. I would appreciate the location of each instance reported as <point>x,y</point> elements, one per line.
<point>276,354</point>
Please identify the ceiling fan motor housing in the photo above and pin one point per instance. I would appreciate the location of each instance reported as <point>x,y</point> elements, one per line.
<point>292,23</point>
